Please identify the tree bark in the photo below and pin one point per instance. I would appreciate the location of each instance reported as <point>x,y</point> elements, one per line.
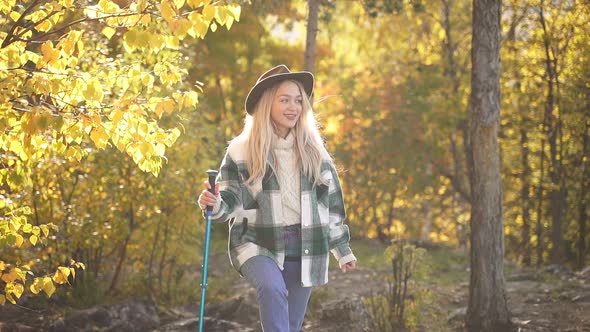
<point>164,254</point>
<point>153,254</point>
<point>525,196</point>
<point>525,175</point>
<point>487,309</point>
<point>451,71</point>
<point>557,191</point>
<point>585,183</point>
<point>312,30</point>
<point>540,188</point>
<point>123,249</point>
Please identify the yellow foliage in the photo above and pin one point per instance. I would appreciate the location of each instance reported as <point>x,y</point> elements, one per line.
<point>19,240</point>
<point>6,6</point>
<point>66,3</point>
<point>13,289</point>
<point>164,106</point>
<point>36,286</point>
<point>197,3</point>
<point>209,12</point>
<point>191,99</point>
<point>66,96</point>
<point>44,26</point>
<point>200,25</point>
<point>181,27</point>
<point>9,277</point>
<point>167,10</point>
<point>50,54</point>
<point>93,91</point>
<point>99,136</point>
<point>108,32</point>
<point>48,286</point>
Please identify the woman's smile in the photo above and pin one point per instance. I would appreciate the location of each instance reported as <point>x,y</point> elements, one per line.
<point>286,107</point>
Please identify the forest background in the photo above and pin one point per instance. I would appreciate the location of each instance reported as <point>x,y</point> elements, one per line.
<point>110,119</point>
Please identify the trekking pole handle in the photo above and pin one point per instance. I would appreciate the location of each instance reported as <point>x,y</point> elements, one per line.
<point>212,176</point>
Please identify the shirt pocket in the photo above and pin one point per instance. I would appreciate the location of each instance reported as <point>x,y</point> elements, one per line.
<point>241,226</point>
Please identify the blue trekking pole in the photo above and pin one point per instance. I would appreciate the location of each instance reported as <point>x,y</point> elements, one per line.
<point>212,175</point>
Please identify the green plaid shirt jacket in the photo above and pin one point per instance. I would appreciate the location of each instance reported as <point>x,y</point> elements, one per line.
<point>255,226</point>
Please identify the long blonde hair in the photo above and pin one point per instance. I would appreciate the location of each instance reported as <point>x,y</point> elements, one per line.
<point>258,135</point>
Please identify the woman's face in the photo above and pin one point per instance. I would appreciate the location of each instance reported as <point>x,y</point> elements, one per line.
<point>286,108</point>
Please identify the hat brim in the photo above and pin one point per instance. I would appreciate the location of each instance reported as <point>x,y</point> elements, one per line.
<point>305,78</point>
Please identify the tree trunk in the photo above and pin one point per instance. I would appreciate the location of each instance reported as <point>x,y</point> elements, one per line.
<point>312,30</point>
<point>123,249</point>
<point>525,196</point>
<point>449,49</point>
<point>427,226</point>
<point>525,175</point>
<point>391,213</point>
<point>153,254</point>
<point>164,253</point>
<point>585,183</point>
<point>464,125</point>
<point>556,193</point>
<point>451,71</point>
<point>487,308</point>
<point>540,189</point>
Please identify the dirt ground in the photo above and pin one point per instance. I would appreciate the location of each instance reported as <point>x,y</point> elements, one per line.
<point>551,299</point>
<point>548,300</point>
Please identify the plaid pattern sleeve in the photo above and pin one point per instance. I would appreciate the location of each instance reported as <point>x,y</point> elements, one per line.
<point>338,234</point>
<point>229,190</point>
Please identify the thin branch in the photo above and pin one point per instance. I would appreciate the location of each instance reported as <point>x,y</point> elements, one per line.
<point>32,25</point>
<point>8,40</point>
<point>41,37</point>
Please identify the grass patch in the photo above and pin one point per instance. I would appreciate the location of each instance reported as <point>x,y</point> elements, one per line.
<point>369,254</point>
<point>448,266</point>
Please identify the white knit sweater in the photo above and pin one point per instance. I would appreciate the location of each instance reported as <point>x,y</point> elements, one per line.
<point>289,178</point>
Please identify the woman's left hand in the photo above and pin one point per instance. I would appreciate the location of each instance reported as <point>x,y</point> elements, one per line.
<point>350,266</point>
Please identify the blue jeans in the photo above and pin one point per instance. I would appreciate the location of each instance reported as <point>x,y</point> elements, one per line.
<point>282,300</point>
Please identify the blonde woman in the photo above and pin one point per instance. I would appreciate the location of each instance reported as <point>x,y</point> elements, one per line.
<point>279,189</point>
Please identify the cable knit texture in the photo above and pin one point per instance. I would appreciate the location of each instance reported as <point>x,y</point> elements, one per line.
<point>289,178</point>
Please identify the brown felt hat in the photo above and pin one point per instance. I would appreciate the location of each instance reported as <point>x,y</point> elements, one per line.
<point>275,75</point>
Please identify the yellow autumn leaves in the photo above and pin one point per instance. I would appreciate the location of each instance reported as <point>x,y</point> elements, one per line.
<point>77,95</point>
<point>15,279</point>
<point>197,24</point>
<point>81,76</point>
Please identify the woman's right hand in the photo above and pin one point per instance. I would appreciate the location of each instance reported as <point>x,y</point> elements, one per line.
<point>206,198</point>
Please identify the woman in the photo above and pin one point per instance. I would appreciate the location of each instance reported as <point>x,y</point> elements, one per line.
<point>279,188</point>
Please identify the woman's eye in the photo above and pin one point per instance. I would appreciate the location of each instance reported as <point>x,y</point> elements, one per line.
<point>299,101</point>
